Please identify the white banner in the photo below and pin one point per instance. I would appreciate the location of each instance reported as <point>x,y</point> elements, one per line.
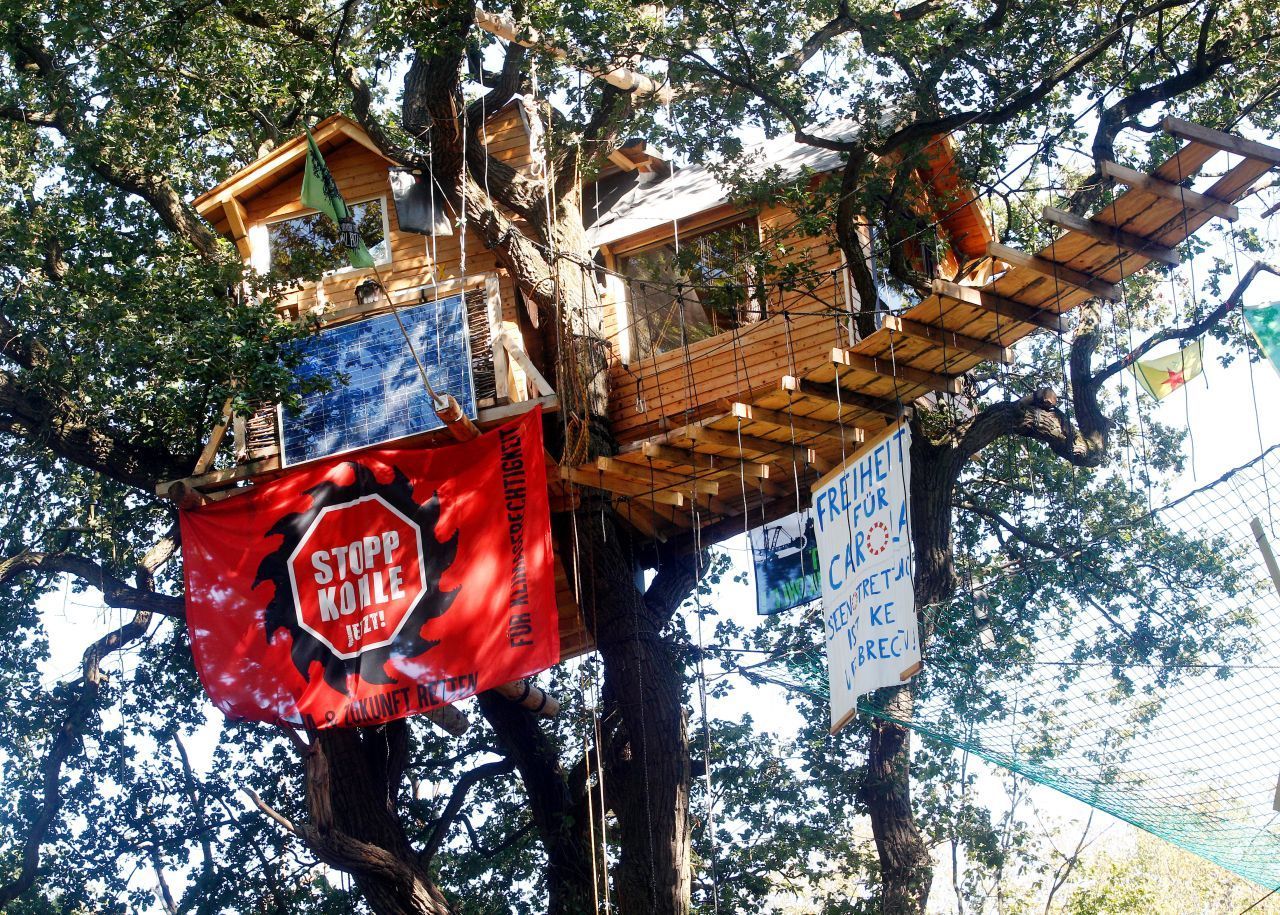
<point>862,517</point>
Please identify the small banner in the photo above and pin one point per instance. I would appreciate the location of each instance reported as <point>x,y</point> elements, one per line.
<point>383,583</point>
<point>1163,375</point>
<point>1264,324</point>
<point>865,567</point>
<point>785,556</point>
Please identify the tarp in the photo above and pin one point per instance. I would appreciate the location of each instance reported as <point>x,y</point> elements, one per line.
<point>375,585</point>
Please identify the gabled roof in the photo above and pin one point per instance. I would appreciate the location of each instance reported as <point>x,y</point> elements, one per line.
<point>696,189</point>
<point>333,131</point>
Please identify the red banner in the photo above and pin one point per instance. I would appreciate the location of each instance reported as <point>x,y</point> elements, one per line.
<point>363,588</point>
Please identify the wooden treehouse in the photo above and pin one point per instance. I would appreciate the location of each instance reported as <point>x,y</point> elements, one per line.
<point>730,392</point>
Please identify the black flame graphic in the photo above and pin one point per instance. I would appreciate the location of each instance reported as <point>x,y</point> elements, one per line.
<point>371,663</point>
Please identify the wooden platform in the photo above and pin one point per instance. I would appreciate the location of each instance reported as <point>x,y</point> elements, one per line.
<point>733,461</point>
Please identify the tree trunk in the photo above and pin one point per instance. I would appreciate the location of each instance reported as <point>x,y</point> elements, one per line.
<point>353,781</point>
<point>557,813</point>
<point>906,870</point>
<point>647,768</point>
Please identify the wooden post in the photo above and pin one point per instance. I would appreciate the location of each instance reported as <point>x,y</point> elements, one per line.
<point>458,423</point>
<point>535,699</point>
<point>450,719</point>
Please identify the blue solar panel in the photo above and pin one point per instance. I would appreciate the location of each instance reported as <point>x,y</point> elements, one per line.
<point>383,398</point>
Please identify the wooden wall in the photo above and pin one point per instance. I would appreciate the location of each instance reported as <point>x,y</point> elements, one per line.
<point>682,385</point>
<point>361,174</point>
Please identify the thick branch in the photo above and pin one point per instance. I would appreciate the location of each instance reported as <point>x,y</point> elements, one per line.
<point>115,591</point>
<point>57,425</point>
<point>457,799</point>
<point>67,740</point>
<point>1191,331</point>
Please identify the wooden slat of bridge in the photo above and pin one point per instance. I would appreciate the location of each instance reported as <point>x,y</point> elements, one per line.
<point>1021,299</point>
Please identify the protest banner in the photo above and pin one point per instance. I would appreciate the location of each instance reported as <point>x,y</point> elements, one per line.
<point>862,511</point>
<point>378,584</point>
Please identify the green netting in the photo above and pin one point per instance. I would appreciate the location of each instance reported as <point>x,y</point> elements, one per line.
<point>1185,745</point>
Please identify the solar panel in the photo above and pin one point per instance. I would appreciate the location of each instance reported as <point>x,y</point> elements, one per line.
<point>383,398</point>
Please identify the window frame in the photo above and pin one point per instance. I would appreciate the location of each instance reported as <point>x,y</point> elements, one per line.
<point>629,346</point>
<point>264,266</point>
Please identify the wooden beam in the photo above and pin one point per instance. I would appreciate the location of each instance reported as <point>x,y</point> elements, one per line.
<point>1168,190</point>
<point>1018,311</point>
<point>210,451</point>
<point>650,477</point>
<point>1110,235</point>
<point>707,462</point>
<point>236,216</point>
<point>950,384</point>
<point>637,514</point>
<point>1227,142</point>
<point>843,397</point>
<point>516,351</point>
<point>947,338</point>
<point>493,311</point>
<point>747,445</point>
<point>1061,273</point>
<point>787,421</point>
<point>618,158</point>
<point>620,486</point>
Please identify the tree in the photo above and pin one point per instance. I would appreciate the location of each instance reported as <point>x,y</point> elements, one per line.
<point>122,335</point>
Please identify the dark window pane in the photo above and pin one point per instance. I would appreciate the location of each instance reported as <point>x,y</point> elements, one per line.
<point>707,288</point>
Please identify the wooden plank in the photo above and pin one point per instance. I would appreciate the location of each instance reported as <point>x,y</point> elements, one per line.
<point>748,445</point>
<point>493,309</point>
<point>210,451</point>
<point>1227,142</point>
<point>1001,306</point>
<point>705,462</point>
<point>1110,235</point>
<point>651,477</point>
<point>789,420</point>
<point>516,351</point>
<point>896,369</point>
<point>842,397</point>
<point>1063,274</point>
<point>610,483</point>
<point>947,338</point>
<point>1168,190</point>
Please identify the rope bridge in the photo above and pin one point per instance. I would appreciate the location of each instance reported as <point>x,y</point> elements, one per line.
<point>1184,743</point>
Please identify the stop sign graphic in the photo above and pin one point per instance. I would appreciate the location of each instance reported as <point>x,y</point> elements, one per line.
<point>356,575</point>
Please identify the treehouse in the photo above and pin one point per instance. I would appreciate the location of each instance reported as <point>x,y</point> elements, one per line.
<point>736,376</point>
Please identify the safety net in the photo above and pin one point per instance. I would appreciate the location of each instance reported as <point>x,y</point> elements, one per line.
<point>1158,707</point>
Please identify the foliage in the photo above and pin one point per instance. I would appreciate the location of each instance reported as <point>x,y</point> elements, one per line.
<point>126,324</point>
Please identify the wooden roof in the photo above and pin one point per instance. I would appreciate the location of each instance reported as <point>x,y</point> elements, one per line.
<point>282,162</point>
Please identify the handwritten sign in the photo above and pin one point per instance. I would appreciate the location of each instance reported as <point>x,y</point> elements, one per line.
<point>862,512</point>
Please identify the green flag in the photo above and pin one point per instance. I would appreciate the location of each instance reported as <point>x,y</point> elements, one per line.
<point>1162,376</point>
<point>1264,323</point>
<point>320,192</point>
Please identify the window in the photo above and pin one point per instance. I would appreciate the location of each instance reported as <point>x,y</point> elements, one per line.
<point>307,247</point>
<point>709,287</point>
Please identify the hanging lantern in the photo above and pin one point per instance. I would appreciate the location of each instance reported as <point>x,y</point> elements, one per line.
<point>367,292</point>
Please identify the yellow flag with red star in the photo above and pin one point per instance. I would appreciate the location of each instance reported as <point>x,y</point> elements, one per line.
<point>1162,376</point>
